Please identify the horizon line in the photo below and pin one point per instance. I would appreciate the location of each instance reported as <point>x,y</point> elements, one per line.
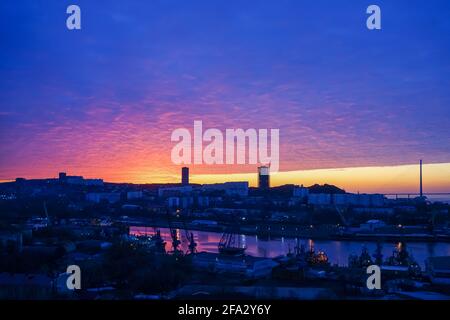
<point>385,178</point>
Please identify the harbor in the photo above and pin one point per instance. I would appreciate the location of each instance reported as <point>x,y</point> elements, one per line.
<point>338,251</point>
<point>289,268</point>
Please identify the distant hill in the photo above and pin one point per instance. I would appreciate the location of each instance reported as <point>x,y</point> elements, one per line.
<point>287,190</point>
<point>326,188</point>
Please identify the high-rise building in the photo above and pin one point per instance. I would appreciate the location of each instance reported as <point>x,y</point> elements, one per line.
<point>185,176</point>
<point>421,187</point>
<point>263,177</point>
<point>62,177</point>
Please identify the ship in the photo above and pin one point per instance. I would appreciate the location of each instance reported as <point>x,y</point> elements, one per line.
<point>154,242</point>
<point>308,257</point>
<point>158,243</point>
<point>362,261</point>
<point>402,258</point>
<point>316,259</point>
<point>230,245</point>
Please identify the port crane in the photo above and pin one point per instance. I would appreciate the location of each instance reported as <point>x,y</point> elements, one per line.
<point>230,243</point>
<point>176,242</point>
<point>159,242</point>
<point>173,234</point>
<point>341,216</point>
<point>189,236</point>
<point>46,214</point>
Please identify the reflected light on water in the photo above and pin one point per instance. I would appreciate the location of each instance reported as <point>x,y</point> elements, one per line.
<point>337,251</point>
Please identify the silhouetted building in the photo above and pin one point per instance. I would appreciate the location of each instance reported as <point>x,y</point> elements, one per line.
<point>185,176</point>
<point>62,176</point>
<point>97,197</point>
<point>263,178</point>
<point>79,180</point>
<point>174,191</point>
<point>132,195</point>
<point>230,188</point>
<point>300,192</point>
<point>421,188</point>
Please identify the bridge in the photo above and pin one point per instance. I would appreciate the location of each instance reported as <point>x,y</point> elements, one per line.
<point>411,194</point>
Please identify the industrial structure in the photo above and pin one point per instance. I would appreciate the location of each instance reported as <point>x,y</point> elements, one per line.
<point>264,178</point>
<point>185,176</point>
<point>421,188</point>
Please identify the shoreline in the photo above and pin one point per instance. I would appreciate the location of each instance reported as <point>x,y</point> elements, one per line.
<point>291,232</point>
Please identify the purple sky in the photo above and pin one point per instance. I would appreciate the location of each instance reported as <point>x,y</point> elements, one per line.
<point>103,101</point>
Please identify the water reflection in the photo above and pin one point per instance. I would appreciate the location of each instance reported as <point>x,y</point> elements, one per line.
<point>337,251</point>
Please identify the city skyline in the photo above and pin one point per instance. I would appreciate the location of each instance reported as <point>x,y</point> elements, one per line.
<point>355,108</point>
<point>386,180</point>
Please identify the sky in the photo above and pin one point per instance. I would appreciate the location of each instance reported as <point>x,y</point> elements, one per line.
<point>103,101</point>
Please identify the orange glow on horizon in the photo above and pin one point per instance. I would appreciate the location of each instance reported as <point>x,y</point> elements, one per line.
<point>387,179</point>
<point>382,179</point>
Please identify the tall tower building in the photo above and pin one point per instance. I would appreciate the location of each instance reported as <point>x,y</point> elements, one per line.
<point>62,177</point>
<point>263,178</point>
<point>421,188</point>
<point>185,176</point>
